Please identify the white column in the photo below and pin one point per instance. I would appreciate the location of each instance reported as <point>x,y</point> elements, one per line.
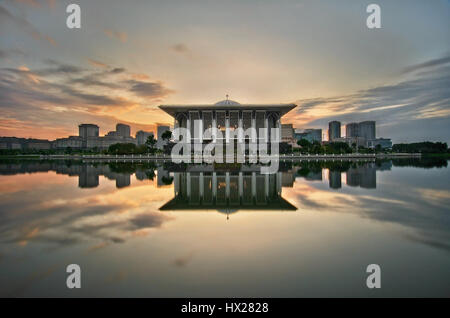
<point>279,128</point>
<point>200,128</point>
<point>254,127</point>
<point>188,126</point>
<point>175,126</point>
<point>266,126</point>
<point>240,127</point>
<point>227,127</point>
<point>214,126</point>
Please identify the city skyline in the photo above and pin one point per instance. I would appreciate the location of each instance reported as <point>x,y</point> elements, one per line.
<point>334,68</point>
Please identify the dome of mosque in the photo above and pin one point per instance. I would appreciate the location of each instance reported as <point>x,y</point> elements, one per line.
<point>227,102</point>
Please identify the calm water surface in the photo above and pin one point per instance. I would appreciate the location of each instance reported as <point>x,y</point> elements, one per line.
<point>161,230</point>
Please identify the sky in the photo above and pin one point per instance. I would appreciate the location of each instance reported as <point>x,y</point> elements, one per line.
<point>128,57</point>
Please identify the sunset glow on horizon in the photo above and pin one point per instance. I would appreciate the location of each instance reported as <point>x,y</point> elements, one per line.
<point>128,59</point>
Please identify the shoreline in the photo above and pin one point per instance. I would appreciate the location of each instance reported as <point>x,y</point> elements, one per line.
<point>168,157</point>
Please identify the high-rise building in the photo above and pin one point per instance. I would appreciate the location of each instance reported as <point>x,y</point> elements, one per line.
<point>87,130</point>
<point>384,143</point>
<point>287,132</point>
<point>366,129</point>
<point>141,136</point>
<point>123,130</point>
<point>161,129</point>
<point>352,130</point>
<point>334,130</point>
<point>310,134</point>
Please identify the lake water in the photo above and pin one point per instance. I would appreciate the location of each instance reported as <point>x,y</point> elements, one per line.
<point>163,230</point>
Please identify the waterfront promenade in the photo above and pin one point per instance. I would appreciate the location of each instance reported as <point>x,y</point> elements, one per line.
<point>281,157</point>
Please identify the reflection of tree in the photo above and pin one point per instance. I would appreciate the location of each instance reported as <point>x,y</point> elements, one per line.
<point>124,167</point>
<point>167,180</point>
<point>317,166</point>
<point>170,166</point>
<point>150,174</point>
<point>304,171</point>
<point>427,162</point>
<point>131,167</point>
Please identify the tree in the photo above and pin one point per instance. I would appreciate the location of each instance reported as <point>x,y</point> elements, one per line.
<point>423,147</point>
<point>150,143</point>
<point>141,149</point>
<point>167,135</point>
<point>304,143</point>
<point>122,149</point>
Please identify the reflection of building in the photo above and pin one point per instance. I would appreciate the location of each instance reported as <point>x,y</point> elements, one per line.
<point>314,176</point>
<point>122,180</point>
<point>334,130</point>
<point>363,176</point>
<point>88,178</point>
<point>384,165</point>
<point>227,191</point>
<point>334,179</point>
<point>287,179</point>
<point>163,177</point>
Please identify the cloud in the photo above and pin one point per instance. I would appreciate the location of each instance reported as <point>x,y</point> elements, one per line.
<point>97,63</point>
<point>57,68</point>
<point>428,64</point>
<point>180,48</point>
<point>149,220</point>
<point>11,53</point>
<point>119,35</point>
<point>118,70</point>
<point>149,89</point>
<point>400,109</point>
<point>56,96</point>
<point>184,260</point>
<point>24,25</point>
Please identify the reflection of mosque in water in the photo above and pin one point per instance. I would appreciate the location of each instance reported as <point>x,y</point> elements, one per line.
<point>203,186</point>
<point>227,191</point>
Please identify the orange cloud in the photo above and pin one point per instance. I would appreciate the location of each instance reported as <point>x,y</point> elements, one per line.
<point>121,36</point>
<point>97,63</point>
